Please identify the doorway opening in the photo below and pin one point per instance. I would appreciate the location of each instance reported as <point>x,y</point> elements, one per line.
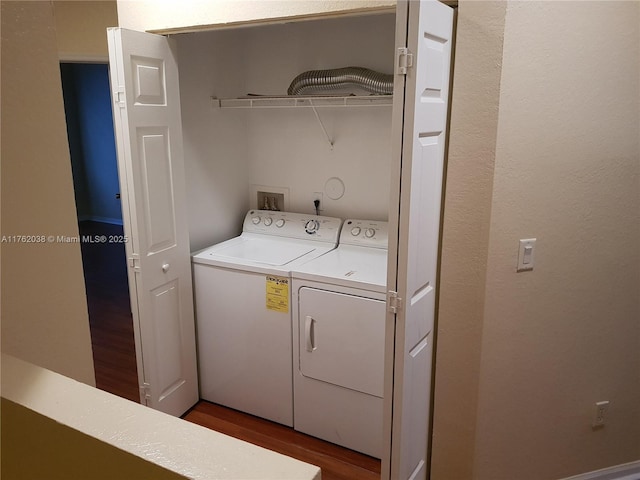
<point>87,102</point>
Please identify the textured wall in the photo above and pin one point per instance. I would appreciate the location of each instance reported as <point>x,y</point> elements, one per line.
<point>465,235</point>
<point>566,335</point>
<point>523,357</point>
<point>44,308</point>
<point>81,28</point>
<point>567,171</point>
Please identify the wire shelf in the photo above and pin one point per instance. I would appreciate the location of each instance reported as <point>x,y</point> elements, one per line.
<point>300,101</point>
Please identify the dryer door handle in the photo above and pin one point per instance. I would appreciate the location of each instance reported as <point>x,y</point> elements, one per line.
<point>309,333</point>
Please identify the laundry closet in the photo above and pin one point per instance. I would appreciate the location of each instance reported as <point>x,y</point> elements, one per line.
<point>234,150</point>
<point>194,160</point>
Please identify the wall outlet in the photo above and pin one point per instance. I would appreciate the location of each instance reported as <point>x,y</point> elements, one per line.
<point>599,414</point>
<point>319,197</point>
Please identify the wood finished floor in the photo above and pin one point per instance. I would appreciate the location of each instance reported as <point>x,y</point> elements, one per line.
<point>115,365</point>
<point>336,463</point>
<point>105,276</point>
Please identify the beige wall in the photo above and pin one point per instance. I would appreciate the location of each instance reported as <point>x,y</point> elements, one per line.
<point>465,235</point>
<point>566,335</point>
<point>81,28</point>
<point>44,309</point>
<point>523,357</point>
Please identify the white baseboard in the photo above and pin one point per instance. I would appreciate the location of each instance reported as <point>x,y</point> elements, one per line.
<point>625,471</point>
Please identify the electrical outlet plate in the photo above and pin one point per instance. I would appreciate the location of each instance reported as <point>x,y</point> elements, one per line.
<point>600,413</point>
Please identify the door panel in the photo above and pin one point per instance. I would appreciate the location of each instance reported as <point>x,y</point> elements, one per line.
<point>419,362</point>
<point>167,335</point>
<point>423,131</point>
<point>144,83</point>
<point>158,196</point>
<point>148,81</point>
<point>424,220</point>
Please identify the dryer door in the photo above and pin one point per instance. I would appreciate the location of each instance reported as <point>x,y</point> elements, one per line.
<point>342,339</point>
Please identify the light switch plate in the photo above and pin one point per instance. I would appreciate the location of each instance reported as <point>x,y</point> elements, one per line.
<point>526,254</point>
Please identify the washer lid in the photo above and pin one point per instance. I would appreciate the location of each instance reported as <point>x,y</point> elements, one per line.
<point>350,266</point>
<point>276,252</point>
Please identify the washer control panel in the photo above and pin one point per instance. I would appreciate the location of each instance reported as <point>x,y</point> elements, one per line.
<point>293,225</point>
<point>312,226</point>
<point>366,233</point>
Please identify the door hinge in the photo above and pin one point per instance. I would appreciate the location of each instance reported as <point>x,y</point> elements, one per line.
<point>405,61</point>
<point>134,262</point>
<point>145,392</point>
<point>394,302</point>
<point>118,97</point>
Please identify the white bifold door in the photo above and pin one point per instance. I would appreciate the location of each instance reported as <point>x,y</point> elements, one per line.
<point>145,92</point>
<point>428,25</point>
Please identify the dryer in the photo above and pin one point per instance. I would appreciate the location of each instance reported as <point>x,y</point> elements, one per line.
<point>339,312</point>
<point>243,314</point>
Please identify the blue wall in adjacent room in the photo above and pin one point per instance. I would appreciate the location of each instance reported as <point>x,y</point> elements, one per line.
<point>91,141</point>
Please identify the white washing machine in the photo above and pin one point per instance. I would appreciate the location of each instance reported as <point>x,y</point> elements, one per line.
<point>243,310</point>
<point>339,312</point>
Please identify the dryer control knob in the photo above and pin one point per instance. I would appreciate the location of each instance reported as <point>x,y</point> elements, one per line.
<point>255,220</point>
<point>312,226</point>
<point>268,221</point>
<point>280,223</point>
<point>355,231</point>
<point>369,233</point>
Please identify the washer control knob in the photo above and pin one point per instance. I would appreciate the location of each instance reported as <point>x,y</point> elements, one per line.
<point>268,221</point>
<point>355,231</point>
<point>280,223</point>
<point>312,226</point>
<point>255,220</point>
<point>369,233</point>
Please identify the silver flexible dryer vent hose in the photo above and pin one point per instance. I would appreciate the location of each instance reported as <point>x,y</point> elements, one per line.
<point>323,80</point>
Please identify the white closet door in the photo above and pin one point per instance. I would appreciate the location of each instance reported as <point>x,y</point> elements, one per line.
<point>429,38</point>
<point>145,91</point>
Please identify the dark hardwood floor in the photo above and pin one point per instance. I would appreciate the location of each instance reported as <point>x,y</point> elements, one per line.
<point>115,365</point>
<point>336,463</point>
<point>105,276</point>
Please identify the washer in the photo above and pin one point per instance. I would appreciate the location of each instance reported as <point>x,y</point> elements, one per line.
<point>339,312</point>
<point>243,317</point>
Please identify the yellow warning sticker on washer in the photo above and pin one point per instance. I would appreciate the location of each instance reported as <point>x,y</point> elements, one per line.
<point>278,294</point>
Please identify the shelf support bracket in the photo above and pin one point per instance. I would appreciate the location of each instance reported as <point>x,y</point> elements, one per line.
<point>324,130</point>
